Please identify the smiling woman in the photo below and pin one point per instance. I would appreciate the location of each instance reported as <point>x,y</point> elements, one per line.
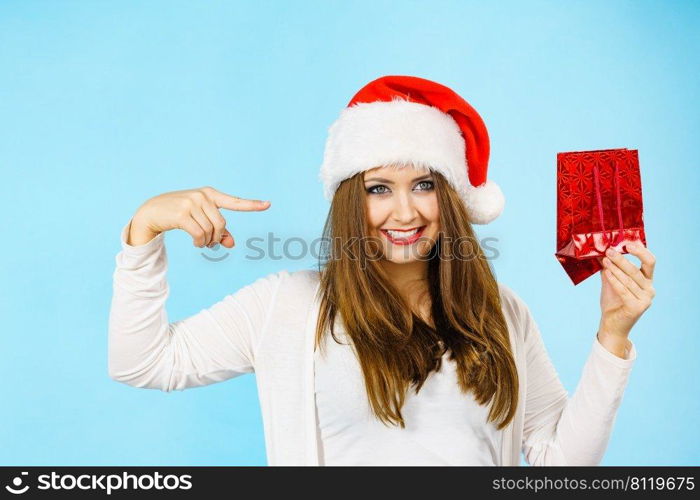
<point>420,302</point>
<point>401,349</point>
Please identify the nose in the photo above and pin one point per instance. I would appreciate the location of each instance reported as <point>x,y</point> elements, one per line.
<point>404,208</point>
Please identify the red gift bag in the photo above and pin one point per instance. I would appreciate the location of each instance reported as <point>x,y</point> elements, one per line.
<point>599,205</point>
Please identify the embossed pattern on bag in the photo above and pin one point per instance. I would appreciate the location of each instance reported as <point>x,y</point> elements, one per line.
<point>599,205</point>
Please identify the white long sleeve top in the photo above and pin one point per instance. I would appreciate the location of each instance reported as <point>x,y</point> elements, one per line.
<point>267,327</point>
<point>443,426</point>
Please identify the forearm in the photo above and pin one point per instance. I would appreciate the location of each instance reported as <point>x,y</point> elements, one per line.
<point>213,345</point>
<point>572,431</point>
<point>138,323</point>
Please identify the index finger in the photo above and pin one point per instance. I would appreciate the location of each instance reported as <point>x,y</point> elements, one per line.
<point>229,202</point>
<point>645,256</point>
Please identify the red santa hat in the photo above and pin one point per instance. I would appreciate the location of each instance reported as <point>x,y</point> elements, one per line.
<point>405,119</point>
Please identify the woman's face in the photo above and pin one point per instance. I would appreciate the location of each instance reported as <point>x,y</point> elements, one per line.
<point>399,202</point>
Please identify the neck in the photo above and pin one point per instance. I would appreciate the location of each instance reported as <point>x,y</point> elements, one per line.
<point>411,280</point>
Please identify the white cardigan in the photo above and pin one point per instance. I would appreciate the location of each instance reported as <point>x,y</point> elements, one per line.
<point>267,327</point>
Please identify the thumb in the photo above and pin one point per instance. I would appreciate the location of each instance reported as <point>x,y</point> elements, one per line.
<point>227,239</point>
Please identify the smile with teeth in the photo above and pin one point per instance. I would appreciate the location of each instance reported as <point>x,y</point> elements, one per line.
<point>403,237</point>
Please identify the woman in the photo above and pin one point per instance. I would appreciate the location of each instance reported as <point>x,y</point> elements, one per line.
<point>402,349</point>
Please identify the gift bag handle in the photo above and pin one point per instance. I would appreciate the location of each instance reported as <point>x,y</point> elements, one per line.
<point>617,204</point>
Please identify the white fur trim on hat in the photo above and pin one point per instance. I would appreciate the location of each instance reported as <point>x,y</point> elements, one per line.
<point>370,135</point>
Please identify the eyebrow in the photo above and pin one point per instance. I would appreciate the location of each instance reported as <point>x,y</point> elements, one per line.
<point>381,179</point>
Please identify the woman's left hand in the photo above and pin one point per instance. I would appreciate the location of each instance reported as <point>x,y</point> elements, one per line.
<point>626,290</point>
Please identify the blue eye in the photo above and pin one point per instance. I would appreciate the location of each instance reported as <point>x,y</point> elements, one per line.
<point>371,189</point>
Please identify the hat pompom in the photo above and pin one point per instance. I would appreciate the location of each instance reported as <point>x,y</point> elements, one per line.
<point>484,203</point>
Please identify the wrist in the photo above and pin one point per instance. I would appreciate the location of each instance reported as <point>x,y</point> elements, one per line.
<point>139,232</point>
<point>619,345</point>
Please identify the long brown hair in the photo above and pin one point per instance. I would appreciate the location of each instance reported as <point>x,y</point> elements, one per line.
<point>394,346</point>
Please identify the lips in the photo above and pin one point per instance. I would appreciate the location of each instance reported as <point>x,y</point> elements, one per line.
<point>397,240</point>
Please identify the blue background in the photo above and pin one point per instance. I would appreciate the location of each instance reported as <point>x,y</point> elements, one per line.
<point>105,104</point>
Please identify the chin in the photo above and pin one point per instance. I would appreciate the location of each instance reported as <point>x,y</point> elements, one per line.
<point>401,261</point>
